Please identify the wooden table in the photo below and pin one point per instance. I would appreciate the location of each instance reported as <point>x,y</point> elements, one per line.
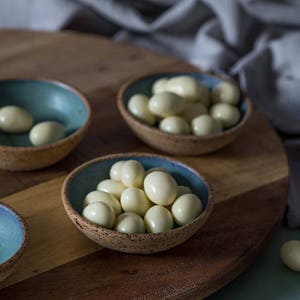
<point>249,178</point>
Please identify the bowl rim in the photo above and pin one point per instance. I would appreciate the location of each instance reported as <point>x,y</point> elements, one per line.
<point>9,262</point>
<point>134,236</point>
<point>70,137</point>
<point>187,137</point>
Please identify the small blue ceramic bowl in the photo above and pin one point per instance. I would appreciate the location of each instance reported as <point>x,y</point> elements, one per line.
<point>46,100</point>
<point>13,239</point>
<point>85,178</point>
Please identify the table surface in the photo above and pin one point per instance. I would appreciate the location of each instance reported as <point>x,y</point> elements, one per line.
<point>249,174</point>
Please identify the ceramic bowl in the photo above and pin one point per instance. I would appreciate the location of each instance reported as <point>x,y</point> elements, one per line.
<point>179,144</point>
<point>85,178</point>
<point>13,239</point>
<point>45,100</point>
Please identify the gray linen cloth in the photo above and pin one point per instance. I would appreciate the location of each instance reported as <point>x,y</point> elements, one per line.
<point>256,42</point>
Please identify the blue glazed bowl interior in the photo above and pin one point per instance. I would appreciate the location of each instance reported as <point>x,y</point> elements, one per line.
<point>11,234</point>
<point>87,179</point>
<point>144,86</point>
<point>46,101</point>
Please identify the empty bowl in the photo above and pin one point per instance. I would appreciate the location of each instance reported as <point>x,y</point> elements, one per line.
<point>173,143</point>
<point>13,239</point>
<point>46,100</point>
<point>85,178</point>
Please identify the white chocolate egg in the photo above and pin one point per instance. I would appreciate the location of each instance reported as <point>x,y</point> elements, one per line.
<point>100,214</point>
<point>225,92</point>
<point>166,104</point>
<point>115,170</point>
<point>14,119</point>
<point>160,187</point>
<point>227,114</point>
<point>111,186</point>
<point>138,107</point>
<point>158,219</point>
<point>193,110</point>
<point>186,208</point>
<point>290,254</point>
<point>99,196</point>
<point>132,174</point>
<point>129,223</point>
<point>188,88</point>
<point>174,125</point>
<point>205,124</point>
<point>46,133</point>
<point>156,169</point>
<point>182,189</point>
<point>135,200</point>
<point>159,86</point>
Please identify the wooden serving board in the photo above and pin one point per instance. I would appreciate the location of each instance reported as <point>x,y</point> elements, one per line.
<point>249,178</point>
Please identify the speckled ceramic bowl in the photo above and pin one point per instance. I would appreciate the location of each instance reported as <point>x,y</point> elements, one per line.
<point>13,239</point>
<point>85,179</point>
<point>46,100</point>
<point>173,143</point>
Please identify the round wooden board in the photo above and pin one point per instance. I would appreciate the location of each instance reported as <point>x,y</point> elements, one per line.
<point>249,178</point>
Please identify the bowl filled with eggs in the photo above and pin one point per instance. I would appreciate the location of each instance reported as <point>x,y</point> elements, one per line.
<point>14,235</point>
<point>184,113</point>
<point>41,121</point>
<point>137,203</point>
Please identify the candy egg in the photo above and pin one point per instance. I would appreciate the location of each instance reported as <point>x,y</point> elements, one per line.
<point>188,88</point>
<point>225,92</point>
<point>14,119</point>
<point>160,187</point>
<point>290,254</point>
<point>227,114</point>
<point>115,170</point>
<point>132,174</point>
<point>111,186</point>
<point>158,219</point>
<point>100,214</point>
<point>135,200</point>
<point>159,86</point>
<point>182,189</point>
<point>99,196</point>
<point>156,169</point>
<point>166,104</point>
<point>205,124</point>
<point>138,106</point>
<point>174,125</point>
<point>129,223</point>
<point>46,133</point>
<point>186,208</point>
<point>193,110</point>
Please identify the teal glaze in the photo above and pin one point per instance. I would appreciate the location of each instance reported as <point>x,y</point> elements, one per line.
<point>87,180</point>
<point>11,233</point>
<point>46,101</point>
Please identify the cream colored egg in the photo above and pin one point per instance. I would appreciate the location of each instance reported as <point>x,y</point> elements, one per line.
<point>158,219</point>
<point>188,88</point>
<point>100,214</point>
<point>159,86</point>
<point>111,186</point>
<point>290,254</point>
<point>135,200</point>
<point>156,169</point>
<point>182,189</point>
<point>225,92</point>
<point>193,110</point>
<point>166,104</point>
<point>227,114</point>
<point>138,107</point>
<point>160,187</point>
<point>99,196</point>
<point>46,133</point>
<point>129,223</point>
<point>132,174</point>
<point>15,119</point>
<point>115,170</point>
<point>174,125</point>
<point>186,208</point>
<point>205,124</point>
